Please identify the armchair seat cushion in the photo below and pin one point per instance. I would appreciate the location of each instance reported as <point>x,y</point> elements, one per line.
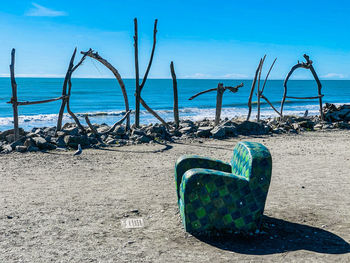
<point>218,196</point>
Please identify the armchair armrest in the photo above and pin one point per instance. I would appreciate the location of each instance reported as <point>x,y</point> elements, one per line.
<point>187,162</point>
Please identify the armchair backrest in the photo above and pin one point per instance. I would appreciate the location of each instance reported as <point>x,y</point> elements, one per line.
<point>251,158</point>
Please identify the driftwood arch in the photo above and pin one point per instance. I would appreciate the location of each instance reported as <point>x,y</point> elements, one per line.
<point>307,65</point>
<point>96,56</point>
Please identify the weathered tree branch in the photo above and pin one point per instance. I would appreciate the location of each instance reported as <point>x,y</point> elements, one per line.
<point>307,65</point>
<point>20,103</point>
<point>232,89</point>
<point>268,74</point>
<point>115,72</point>
<point>14,95</point>
<point>137,77</point>
<point>262,63</point>
<point>153,113</point>
<point>64,91</point>
<point>151,57</point>
<point>252,90</point>
<point>176,104</point>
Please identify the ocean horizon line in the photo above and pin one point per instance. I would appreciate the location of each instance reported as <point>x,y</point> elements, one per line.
<point>220,79</point>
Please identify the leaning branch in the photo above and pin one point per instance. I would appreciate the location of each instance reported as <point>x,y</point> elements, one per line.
<point>230,88</point>
<point>151,57</point>
<point>115,72</point>
<point>153,113</point>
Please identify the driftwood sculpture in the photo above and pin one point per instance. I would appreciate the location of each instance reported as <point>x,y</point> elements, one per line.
<point>307,65</point>
<point>65,97</point>
<point>176,103</point>
<point>259,92</point>
<point>139,86</point>
<point>95,55</point>
<point>219,94</point>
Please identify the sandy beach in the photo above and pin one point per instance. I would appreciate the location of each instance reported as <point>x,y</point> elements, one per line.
<point>64,208</point>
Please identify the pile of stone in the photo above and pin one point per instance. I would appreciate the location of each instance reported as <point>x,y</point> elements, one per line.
<point>333,113</point>
<point>43,139</point>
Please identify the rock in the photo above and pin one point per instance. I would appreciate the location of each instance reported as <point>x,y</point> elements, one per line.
<point>18,142</point>
<point>10,137</point>
<point>73,141</point>
<point>21,148</point>
<point>29,142</point>
<point>111,141</point>
<point>119,130</point>
<point>6,148</point>
<point>251,128</point>
<point>204,131</point>
<point>32,149</point>
<point>42,144</point>
<point>11,131</point>
<point>60,134</point>
<point>342,125</point>
<point>277,130</point>
<point>60,142</point>
<point>144,139</point>
<point>103,129</point>
<point>295,126</point>
<point>218,132</point>
<point>308,124</point>
<point>186,130</point>
<point>71,130</point>
<point>138,132</point>
<point>318,126</point>
<point>32,134</point>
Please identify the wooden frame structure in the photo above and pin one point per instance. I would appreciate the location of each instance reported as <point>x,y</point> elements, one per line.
<point>307,65</point>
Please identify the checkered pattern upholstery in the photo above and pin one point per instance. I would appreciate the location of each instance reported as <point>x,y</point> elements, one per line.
<point>217,196</point>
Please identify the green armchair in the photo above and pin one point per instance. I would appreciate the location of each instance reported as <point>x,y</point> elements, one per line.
<point>214,196</point>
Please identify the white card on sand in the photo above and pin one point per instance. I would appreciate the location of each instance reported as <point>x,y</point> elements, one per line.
<point>133,223</point>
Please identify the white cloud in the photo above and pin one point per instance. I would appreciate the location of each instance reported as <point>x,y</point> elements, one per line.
<point>39,10</point>
<point>198,76</point>
<point>333,76</point>
<point>235,76</point>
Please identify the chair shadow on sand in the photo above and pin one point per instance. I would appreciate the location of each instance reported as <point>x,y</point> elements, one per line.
<point>286,236</point>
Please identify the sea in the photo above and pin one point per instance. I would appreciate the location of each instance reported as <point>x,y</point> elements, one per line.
<point>103,101</point>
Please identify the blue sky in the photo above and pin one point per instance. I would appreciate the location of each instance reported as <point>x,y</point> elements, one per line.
<point>205,39</point>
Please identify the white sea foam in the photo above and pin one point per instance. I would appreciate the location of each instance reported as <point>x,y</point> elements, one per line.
<point>41,120</point>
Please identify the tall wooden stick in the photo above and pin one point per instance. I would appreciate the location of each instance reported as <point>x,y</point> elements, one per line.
<point>14,95</point>
<point>151,57</point>
<point>64,92</point>
<point>219,94</point>
<point>115,72</point>
<point>261,66</point>
<point>137,79</point>
<point>176,104</point>
<point>252,91</point>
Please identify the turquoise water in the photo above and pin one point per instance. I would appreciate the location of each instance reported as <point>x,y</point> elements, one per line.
<point>104,96</point>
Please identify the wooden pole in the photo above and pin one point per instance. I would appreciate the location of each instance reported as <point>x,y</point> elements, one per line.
<point>252,91</point>
<point>219,94</point>
<point>176,105</point>
<point>14,95</point>
<point>137,79</point>
<point>258,115</point>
